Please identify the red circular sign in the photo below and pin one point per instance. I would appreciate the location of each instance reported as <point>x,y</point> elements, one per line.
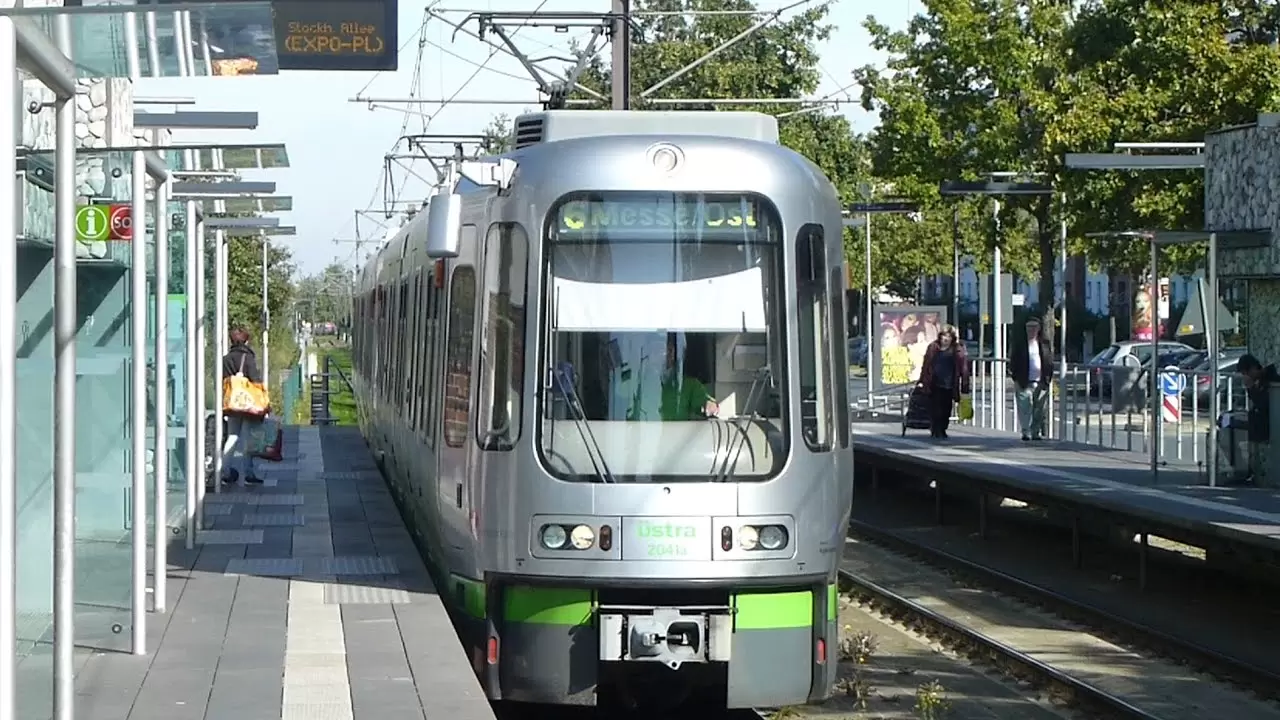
<point>121,219</point>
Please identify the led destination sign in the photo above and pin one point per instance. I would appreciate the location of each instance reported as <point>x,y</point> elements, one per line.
<point>336,34</point>
<point>646,215</point>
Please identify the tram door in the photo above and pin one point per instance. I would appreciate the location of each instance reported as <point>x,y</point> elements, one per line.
<point>457,444</point>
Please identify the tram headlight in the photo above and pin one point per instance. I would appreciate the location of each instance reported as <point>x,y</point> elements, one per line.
<point>582,537</point>
<point>553,537</point>
<point>773,537</point>
<point>748,537</point>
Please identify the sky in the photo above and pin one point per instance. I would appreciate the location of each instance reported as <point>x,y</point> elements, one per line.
<point>336,147</point>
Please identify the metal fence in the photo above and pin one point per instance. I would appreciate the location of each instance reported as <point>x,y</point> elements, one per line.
<point>1108,407</point>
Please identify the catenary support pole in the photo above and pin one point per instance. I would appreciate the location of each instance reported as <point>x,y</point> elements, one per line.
<point>9,139</point>
<point>160,466</point>
<point>202,373</point>
<point>64,394</point>
<point>138,404</point>
<point>621,56</point>
<point>997,326</point>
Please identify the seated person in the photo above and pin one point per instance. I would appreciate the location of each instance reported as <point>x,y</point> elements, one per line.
<point>684,397</point>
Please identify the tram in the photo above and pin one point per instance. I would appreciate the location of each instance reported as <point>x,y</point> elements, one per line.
<point>605,377</point>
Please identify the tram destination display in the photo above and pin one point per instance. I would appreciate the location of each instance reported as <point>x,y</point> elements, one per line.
<point>661,215</point>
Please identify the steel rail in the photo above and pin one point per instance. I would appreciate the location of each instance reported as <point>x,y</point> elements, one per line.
<point>1261,681</point>
<point>1081,691</point>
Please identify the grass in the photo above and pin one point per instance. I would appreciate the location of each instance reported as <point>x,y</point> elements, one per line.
<point>342,402</point>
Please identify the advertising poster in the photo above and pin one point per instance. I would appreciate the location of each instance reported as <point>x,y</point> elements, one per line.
<point>903,333</point>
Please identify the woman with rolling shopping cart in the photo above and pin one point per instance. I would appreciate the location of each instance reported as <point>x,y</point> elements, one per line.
<point>944,380</point>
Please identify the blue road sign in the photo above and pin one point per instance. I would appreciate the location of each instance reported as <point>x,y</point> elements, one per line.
<point>1172,382</point>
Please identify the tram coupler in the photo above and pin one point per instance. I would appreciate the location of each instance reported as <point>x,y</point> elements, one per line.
<point>669,635</point>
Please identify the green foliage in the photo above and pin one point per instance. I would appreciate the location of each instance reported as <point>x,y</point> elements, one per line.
<point>778,61</point>
<point>497,136</point>
<point>326,296</point>
<point>979,86</point>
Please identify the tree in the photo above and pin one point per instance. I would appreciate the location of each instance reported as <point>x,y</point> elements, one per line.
<point>778,61</point>
<point>326,295</point>
<point>497,136</point>
<point>971,87</point>
<point>1170,70</point>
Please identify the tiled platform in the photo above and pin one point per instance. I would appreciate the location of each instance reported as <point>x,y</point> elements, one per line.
<point>1116,481</point>
<point>305,600</point>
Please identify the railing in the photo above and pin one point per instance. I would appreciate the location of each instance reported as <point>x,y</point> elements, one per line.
<point>1108,406</point>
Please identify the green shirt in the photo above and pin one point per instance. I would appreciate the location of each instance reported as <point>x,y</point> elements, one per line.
<point>681,399</point>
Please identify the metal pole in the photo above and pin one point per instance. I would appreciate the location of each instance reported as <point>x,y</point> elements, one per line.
<point>1210,299</point>
<point>1157,416</point>
<point>871,356</point>
<point>220,343</point>
<point>153,47</point>
<point>180,43</point>
<point>266,316</point>
<point>9,138</point>
<point>138,403</point>
<point>1062,334</point>
<point>160,469</point>
<point>997,327</point>
<point>195,413</point>
<point>202,345</point>
<point>132,60</point>
<point>955,266</point>
<point>621,71</point>
<point>64,395</point>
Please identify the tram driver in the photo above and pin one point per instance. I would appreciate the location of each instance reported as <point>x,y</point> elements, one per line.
<point>684,397</point>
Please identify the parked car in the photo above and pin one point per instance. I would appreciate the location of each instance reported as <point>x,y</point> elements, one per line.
<point>1172,358</point>
<point>1130,353</point>
<point>1231,393</point>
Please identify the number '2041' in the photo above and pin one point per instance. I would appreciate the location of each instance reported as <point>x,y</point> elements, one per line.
<point>665,550</point>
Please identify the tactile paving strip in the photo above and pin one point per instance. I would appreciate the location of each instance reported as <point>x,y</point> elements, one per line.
<point>273,519</point>
<point>272,567</point>
<point>340,594</point>
<point>229,537</point>
<point>366,475</point>
<point>358,565</point>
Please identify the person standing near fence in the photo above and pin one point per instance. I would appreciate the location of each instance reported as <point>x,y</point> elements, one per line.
<point>1258,381</point>
<point>1031,367</point>
<point>243,405</point>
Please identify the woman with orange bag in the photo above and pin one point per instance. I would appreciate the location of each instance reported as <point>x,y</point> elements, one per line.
<point>244,404</point>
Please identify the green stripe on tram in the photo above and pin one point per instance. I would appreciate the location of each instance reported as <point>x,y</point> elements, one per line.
<point>547,606</point>
<point>772,611</point>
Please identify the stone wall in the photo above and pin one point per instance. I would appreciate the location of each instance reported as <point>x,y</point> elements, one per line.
<point>1242,192</point>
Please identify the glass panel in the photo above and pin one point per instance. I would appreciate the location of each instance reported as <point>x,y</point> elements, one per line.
<point>664,313</point>
<point>502,379</point>
<point>239,38</point>
<point>240,206</point>
<point>811,338</point>
<point>462,318</point>
<point>839,346</point>
<point>246,157</point>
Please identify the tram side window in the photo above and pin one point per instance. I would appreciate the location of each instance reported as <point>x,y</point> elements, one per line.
<point>813,338</point>
<point>502,372</point>
<point>457,387</point>
<point>840,348</point>
<point>426,421</point>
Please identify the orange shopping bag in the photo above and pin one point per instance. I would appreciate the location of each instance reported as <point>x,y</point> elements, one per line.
<point>241,395</point>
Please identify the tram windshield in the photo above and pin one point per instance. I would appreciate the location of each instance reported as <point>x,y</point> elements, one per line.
<point>664,333</point>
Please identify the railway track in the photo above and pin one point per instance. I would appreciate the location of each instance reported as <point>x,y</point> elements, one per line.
<point>963,633</point>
